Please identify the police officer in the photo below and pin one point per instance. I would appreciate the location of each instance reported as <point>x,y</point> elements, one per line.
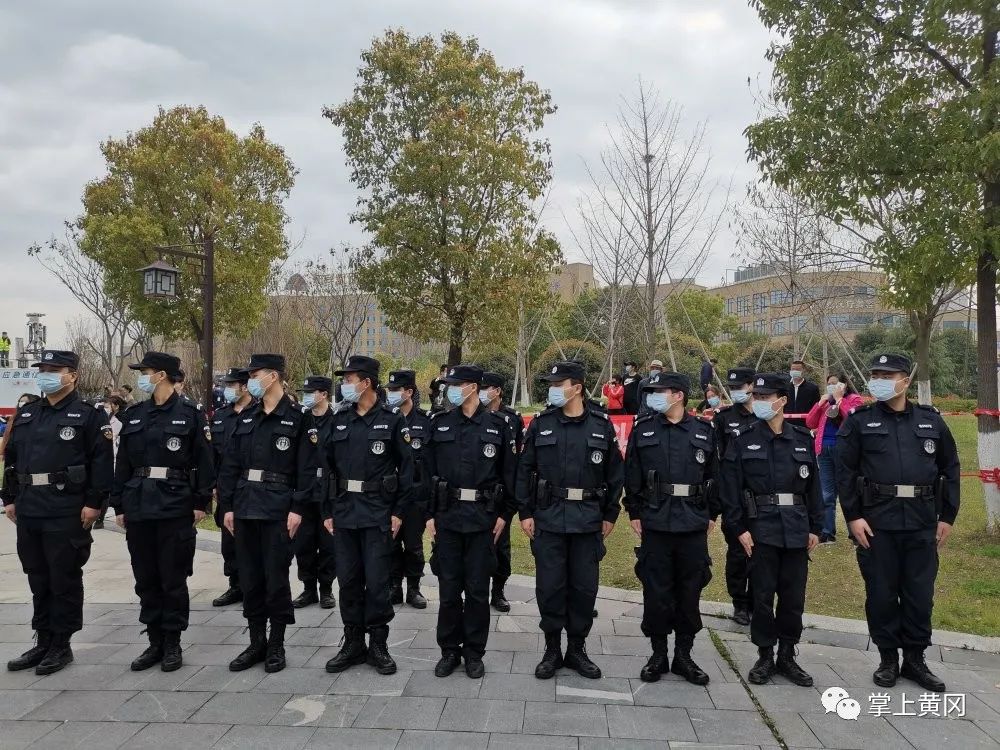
<point>471,461</point>
<point>164,476</point>
<point>569,482</point>
<point>223,424</point>
<point>729,421</point>
<point>58,473</point>
<point>314,547</point>
<point>898,479</point>
<point>408,548</point>
<point>772,503</point>
<point>368,463</point>
<point>491,395</point>
<point>670,495</point>
<point>179,389</point>
<point>268,477</point>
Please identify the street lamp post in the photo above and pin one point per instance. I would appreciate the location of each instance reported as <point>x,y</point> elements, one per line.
<point>159,281</point>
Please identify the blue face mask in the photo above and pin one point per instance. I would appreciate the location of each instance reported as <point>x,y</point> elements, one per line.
<point>882,389</point>
<point>658,402</point>
<point>795,374</point>
<point>455,395</point>
<point>393,398</point>
<point>740,397</point>
<point>350,392</point>
<point>230,395</point>
<point>49,382</point>
<point>764,410</point>
<point>655,371</point>
<point>255,387</point>
<point>144,384</point>
<point>484,398</point>
<point>309,400</point>
<point>714,401</point>
<point>557,395</point>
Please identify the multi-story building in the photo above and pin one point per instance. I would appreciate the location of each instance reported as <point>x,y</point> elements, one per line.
<point>570,280</point>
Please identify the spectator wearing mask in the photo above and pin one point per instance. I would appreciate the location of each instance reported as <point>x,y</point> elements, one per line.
<point>630,382</point>
<point>802,394</point>
<point>655,368</point>
<point>710,403</point>
<point>614,392</point>
<point>825,419</point>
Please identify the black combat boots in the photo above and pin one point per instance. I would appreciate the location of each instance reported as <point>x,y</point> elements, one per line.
<point>256,652</point>
<point>552,659</point>
<point>153,654</point>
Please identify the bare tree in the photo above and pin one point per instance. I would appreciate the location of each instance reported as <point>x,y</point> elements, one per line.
<point>116,336</point>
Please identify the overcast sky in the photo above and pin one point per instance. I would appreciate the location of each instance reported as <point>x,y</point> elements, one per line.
<point>76,73</point>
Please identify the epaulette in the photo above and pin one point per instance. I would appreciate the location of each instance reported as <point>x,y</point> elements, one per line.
<point>340,407</point>
<point>643,418</point>
<point>136,405</point>
<point>863,407</point>
<point>928,407</point>
<point>435,414</point>
<point>750,428</point>
<point>800,429</point>
<point>547,411</point>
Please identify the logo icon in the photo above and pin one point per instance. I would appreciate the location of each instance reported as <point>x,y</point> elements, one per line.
<point>837,700</point>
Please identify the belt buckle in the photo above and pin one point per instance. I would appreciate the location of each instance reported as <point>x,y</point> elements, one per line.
<point>39,480</point>
<point>574,493</point>
<point>785,498</point>
<point>906,490</point>
<point>467,495</point>
<point>682,490</point>
<point>255,475</point>
<point>355,485</point>
<point>157,472</point>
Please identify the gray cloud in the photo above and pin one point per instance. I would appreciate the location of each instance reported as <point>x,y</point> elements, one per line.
<point>77,73</point>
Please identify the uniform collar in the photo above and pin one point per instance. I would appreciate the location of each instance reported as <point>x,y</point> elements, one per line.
<point>787,431</point>
<point>477,415</point>
<point>884,407</point>
<point>684,424</point>
<point>62,403</point>
<point>166,404</point>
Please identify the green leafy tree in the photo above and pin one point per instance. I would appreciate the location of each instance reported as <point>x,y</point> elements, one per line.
<point>878,100</point>
<point>443,144</point>
<point>699,313</point>
<point>184,179</point>
<point>591,355</point>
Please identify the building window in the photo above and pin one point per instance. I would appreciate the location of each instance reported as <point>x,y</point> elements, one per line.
<point>730,306</point>
<point>743,306</point>
<point>760,326</point>
<point>778,327</point>
<point>759,304</point>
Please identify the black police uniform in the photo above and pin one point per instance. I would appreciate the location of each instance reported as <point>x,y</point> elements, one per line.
<point>471,461</point>
<point>728,421</point>
<point>900,472</point>
<point>269,471</point>
<point>223,424</point>
<point>314,546</point>
<point>368,463</point>
<point>670,471</point>
<point>770,487</point>
<point>408,547</point>
<point>58,460</point>
<point>569,480</point>
<point>498,598</point>
<point>164,472</point>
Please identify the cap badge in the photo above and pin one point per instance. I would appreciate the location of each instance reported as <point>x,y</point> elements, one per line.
<point>760,381</point>
<point>48,355</point>
<point>555,370</point>
<point>883,359</point>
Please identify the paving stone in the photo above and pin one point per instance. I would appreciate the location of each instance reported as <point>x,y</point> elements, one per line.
<point>116,617</point>
<point>566,718</point>
<point>363,680</point>
<point>833,638</point>
<point>16,634</point>
<point>240,708</point>
<point>672,694</point>
<point>497,641</point>
<point>931,734</point>
<point>355,739</point>
<point>93,653</point>
<point>315,637</point>
<point>730,696</point>
<point>400,713</point>
<point>92,633</point>
<point>624,645</point>
<point>320,710</point>
<point>160,706</point>
<point>794,730</point>
<point>265,738</point>
<point>972,658</point>
<point>531,742</point>
<point>992,728</point>
<point>572,688</point>
<point>16,703</point>
<point>722,727</point>
<point>643,723</point>
<point>82,677</point>
<point>465,715</point>
<point>19,734</point>
<point>80,705</point>
<point>457,685</point>
<point>207,656</point>
<point>296,680</point>
<point>866,732</point>
<point>790,698</point>
<point>87,734</point>
<point>614,743</point>
<point>17,680</point>
<point>424,740</point>
<point>627,626</point>
<point>156,679</point>
<point>517,687</point>
<point>221,680</point>
<point>173,736</point>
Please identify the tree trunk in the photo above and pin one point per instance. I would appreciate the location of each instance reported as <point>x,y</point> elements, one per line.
<point>455,343</point>
<point>923,325</point>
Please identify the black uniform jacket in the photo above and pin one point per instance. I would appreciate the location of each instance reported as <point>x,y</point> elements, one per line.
<point>765,463</point>
<point>419,423</point>
<point>731,419</point>
<point>910,447</point>
<point>282,444</point>
<point>174,436</point>
<point>473,453</point>
<point>570,453</point>
<point>52,439</point>
<point>373,448</point>
<point>684,453</point>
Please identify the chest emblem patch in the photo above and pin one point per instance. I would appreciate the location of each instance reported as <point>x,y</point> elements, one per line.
<point>929,446</point>
<point>597,457</point>
<point>378,447</point>
<point>67,433</point>
<point>416,443</point>
<point>282,443</point>
<point>804,471</point>
<point>489,450</point>
<point>699,456</point>
<point>174,444</point>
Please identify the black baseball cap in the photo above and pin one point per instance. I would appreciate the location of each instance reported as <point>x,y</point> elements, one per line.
<point>402,379</point>
<point>767,383</point>
<point>168,363</point>
<point>891,363</point>
<point>366,366</point>
<point>236,375</point>
<point>676,380</point>
<point>266,362</point>
<point>58,358</point>
<point>464,374</point>
<point>317,383</point>
<point>740,375</point>
<point>492,380</point>
<point>560,371</point>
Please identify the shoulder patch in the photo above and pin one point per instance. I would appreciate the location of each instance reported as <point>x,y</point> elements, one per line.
<point>928,407</point>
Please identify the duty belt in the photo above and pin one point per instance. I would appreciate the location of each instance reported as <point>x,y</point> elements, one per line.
<point>259,475</point>
<point>902,490</point>
<point>466,495</point>
<point>574,494</point>
<point>43,480</point>
<point>160,472</point>
<point>680,490</point>
<point>780,498</point>
<point>356,485</point>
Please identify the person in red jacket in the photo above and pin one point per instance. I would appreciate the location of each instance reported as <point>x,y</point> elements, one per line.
<point>614,392</point>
